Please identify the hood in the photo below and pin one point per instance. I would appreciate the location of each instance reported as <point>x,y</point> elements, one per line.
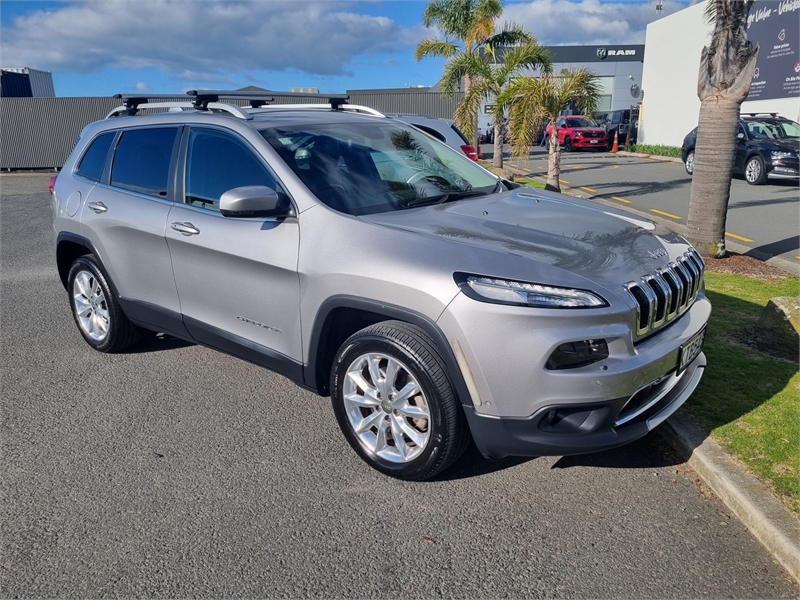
<point>588,129</point>
<point>585,238</point>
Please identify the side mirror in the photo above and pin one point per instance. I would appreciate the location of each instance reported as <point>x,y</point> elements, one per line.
<point>254,201</point>
<point>740,136</point>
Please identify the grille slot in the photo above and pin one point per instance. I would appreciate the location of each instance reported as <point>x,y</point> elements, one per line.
<point>667,293</point>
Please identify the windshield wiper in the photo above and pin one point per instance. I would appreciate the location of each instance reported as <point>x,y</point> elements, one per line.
<point>452,196</point>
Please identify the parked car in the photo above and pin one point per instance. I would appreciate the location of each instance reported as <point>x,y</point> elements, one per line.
<point>767,146</point>
<point>578,132</point>
<point>443,130</point>
<point>364,260</point>
<point>615,121</point>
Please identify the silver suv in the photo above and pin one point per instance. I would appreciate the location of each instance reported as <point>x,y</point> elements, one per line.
<point>433,301</point>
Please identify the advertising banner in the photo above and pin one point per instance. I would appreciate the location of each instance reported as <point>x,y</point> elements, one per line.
<point>773,24</point>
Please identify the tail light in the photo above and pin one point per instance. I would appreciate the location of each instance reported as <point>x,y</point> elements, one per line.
<point>53,183</point>
<point>469,150</point>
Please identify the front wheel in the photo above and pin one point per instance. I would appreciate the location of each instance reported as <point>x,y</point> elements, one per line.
<point>394,403</point>
<point>754,171</point>
<point>568,144</point>
<point>689,164</point>
<point>96,310</point>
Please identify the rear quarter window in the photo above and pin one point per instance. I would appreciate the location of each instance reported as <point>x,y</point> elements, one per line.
<point>93,161</point>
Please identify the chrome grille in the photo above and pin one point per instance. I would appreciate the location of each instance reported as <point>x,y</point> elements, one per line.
<point>667,293</point>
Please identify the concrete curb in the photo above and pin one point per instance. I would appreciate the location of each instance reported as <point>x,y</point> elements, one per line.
<point>650,156</point>
<point>766,517</point>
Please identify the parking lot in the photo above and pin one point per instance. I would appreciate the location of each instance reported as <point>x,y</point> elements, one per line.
<point>762,218</point>
<point>176,471</point>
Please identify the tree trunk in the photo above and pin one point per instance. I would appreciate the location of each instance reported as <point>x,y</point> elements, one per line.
<point>553,161</point>
<point>497,159</point>
<point>475,141</point>
<point>713,158</point>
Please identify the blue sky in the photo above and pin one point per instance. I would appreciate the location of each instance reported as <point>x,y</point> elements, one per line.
<point>102,47</point>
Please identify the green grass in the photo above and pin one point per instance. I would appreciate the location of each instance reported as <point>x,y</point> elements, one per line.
<point>534,183</point>
<point>748,400</point>
<point>656,149</point>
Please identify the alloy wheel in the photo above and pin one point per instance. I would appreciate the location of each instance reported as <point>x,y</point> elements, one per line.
<point>386,408</point>
<point>91,307</point>
<point>753,170</point>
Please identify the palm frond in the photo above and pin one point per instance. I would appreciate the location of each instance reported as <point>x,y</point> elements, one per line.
<point>460,66</point>
<point>433,47</point>
<point>467,109</point>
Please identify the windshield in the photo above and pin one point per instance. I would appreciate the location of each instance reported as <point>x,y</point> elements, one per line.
<point>771,130</point>
<point>365,168</point>
<point>581,122</point>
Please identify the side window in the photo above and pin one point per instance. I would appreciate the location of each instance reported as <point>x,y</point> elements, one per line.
<point>560,122</point>
<point>216,163</point>
<point>142,159</point>
<point>94,160</point>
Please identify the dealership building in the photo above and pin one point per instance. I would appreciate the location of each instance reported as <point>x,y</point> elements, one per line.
<point>670,106</point>
<point>619,68</point>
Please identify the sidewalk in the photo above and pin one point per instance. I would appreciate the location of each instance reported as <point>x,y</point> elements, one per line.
<point>772,524</point>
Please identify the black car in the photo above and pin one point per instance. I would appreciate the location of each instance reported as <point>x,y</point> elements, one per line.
<point>615,121</point>
<point>767,145</point>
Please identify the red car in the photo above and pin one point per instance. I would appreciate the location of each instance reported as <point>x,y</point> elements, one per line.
<point>575,131</point>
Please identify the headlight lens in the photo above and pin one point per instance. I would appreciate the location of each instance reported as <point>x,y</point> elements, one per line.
<point>504,291</point>
<point>778,155</point>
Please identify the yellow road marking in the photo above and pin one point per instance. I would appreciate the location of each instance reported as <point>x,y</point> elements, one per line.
<point>797,257</point>
<point>666,214</point>
<point>620,199</point>
<point>563,181</point>
<point>615,167</point>
<point>738,237</point>
<point>588,189</point>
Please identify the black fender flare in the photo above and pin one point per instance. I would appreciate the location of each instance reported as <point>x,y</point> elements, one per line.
<point>390,312</point>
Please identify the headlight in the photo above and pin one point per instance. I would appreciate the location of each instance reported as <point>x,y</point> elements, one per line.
<point>779,155</point>
<point>578,134</point>
<point>518,293</point>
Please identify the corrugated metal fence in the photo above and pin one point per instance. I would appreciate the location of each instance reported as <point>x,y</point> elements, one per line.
<point>39,133</point>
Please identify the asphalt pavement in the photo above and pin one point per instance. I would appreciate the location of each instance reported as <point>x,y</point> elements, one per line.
<point>764,219</point>
<point>176,471</point>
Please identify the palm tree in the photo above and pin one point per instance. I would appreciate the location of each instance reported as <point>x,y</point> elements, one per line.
<point>531,100</point>
<point>468,26</point>
<point>490,75</point>
<point>727,65</point>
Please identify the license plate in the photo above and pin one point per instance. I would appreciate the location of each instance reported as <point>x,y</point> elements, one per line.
<point>593,141</point>
<point>691,349</point>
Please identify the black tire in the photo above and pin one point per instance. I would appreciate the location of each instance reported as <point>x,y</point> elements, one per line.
<point>567,144</point>
<point>689,164</point>
<point>446,427</point>
<point>754,171</point>
<point>120,333</point>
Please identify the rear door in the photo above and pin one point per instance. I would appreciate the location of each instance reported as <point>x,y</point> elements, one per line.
<point>125,217</point>
<point>237,277</point>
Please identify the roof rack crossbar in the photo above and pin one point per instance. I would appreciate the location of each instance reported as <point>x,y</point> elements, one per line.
<point>753,114</point>
<point>134,101</point>
<point>335,100</point>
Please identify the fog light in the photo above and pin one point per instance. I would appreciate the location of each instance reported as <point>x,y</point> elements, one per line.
<point>577,354</point>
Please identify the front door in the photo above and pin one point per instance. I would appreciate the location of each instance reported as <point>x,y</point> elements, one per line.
<point>237,277</point>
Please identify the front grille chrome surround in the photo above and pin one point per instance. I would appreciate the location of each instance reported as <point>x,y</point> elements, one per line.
<point>664,295</point>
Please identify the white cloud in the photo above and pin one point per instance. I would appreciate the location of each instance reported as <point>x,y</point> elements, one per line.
<point>588,22</point>
<point>211,38</point>
<point>143,87</point>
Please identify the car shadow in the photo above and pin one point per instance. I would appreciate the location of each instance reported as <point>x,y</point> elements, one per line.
<point>158,342</point>
<point>790,244</point>
<point>638,188</point>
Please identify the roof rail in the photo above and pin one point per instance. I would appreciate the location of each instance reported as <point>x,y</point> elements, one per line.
<point>347,108</point>
<point>135,102</point>
<point>261,98</point>
<point>771,114</point>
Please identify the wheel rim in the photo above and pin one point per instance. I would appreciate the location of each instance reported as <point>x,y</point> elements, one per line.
<point>753,170</point>
<point>386,408</point>
<point>91,307</point>
<point>690,162</point>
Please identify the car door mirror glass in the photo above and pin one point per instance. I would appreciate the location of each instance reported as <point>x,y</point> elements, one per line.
<point>253,201</point>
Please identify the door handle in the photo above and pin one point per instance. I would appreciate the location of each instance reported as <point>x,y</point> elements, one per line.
<point>97,207</point>
<point>185,228</point>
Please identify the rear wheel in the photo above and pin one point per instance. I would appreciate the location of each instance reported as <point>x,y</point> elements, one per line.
<point>394,403</point>
<point>754,171</point>
<point>96,310</point>
<point>689,164</point>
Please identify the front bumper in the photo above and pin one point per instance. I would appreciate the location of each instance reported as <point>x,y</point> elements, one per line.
<point>784,168</point>
<point>595,142</point>
<point>582,428</point>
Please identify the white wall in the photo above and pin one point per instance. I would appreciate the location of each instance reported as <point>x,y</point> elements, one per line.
<point>670,106</point>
